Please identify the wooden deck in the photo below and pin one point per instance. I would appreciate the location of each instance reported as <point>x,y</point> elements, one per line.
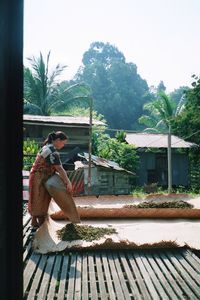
<point>110,274</point>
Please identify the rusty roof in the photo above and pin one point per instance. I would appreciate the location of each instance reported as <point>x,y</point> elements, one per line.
<point>102,162</point>
<point>151,140</point>
<point>65,120</point>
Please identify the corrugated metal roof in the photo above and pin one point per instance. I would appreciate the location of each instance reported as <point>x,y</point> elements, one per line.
<point>150,140</point>
<point>60,120</point>
<point>98,161</point>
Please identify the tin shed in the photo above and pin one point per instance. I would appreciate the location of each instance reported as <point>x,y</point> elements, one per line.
<point>107,177</point>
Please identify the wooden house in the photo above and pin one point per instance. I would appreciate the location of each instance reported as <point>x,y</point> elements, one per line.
<point>152,151</point>
<point>77,129</point>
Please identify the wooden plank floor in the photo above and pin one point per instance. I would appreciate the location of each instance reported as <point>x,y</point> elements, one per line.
<point>110,274</point>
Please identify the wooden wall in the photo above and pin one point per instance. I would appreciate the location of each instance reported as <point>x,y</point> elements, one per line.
<point>78,136</point>
<point>153,168</point>
<point>106,181</point>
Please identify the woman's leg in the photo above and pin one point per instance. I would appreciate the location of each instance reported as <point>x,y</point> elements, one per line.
<point>34,221</point>
<point>39,198</point>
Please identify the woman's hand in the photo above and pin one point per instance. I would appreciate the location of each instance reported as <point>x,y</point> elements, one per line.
<point>64,177</point>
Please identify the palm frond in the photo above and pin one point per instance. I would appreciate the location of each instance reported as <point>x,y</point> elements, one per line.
<point>151,129</point>
<point>168,104</point>
<point>42,90</point>
<point>147,120</point>
<point>80,88</point>
<point>57,72</point>
<point>161,113</point>
<point>180,105</point>
<point>31,89</point>
<point>65,103</point>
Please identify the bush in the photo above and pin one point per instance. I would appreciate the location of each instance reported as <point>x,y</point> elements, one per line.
<point>120,152</point>
<point>30,150</point>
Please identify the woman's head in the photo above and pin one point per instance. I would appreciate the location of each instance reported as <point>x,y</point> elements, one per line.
<point>58,139</point>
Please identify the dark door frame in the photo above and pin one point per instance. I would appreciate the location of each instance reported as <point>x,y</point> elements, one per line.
<point>11,139</point>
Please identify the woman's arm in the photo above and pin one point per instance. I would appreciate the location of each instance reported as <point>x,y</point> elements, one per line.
<point>64,177</point>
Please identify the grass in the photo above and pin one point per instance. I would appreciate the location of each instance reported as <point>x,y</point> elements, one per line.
<point>139,192</point>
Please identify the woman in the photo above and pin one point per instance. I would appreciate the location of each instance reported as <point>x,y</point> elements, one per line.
<point>49,179</point>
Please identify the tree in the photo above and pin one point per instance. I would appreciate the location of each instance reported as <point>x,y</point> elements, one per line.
<point>161,87</point>
<point>187,123</point>
<point>118,90</point>
<point>120,152</point>
<point>178,95</point>
<point>43,95</point>
<point>161,112</point>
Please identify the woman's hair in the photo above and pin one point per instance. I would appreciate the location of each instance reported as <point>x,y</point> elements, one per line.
<point>54,136</point>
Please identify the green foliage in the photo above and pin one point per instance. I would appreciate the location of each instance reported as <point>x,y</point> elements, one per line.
<point>179,94</point>
<point>72,95</point>
<point>30,150</point>
<point>118,90</point>
<point>121,136</point>
<point>195,169</point>
<point>43,95</point>
<point>98,137</point>
<point>139,192</point>
<point>160,113</point>
<point>187,123</point>
<point>112,149</point>
<point>40,86</point>
<point>80,111</point>
<point>161,87</point>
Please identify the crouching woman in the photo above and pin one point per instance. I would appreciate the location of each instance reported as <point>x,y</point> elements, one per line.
<point>48,179</point>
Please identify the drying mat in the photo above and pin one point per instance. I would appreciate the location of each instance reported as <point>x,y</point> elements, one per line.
<point>131,233</point>
<point>109,207</point>
<point>120,200</point>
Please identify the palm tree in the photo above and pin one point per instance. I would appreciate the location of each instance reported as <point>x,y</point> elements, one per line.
<point>162,111</point>
<point>43,95</point>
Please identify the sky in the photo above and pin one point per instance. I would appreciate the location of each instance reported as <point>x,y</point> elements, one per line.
<point>160,36</point>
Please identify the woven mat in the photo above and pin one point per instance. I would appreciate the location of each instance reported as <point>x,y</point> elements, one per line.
<point>131,233</point>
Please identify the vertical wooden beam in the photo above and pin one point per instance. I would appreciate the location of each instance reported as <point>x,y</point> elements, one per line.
<point>90,149</point>
<point>169,161</point>
<point>11,106</point>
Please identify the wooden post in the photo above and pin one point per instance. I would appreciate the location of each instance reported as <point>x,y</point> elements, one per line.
<point>11,149</point>
<point>90,148</point>
<point>169,161</point>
